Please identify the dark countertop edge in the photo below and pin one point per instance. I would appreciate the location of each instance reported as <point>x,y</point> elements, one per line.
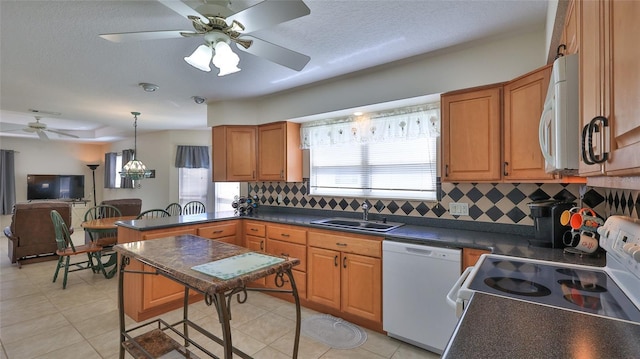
<point>558,333</point>
<point>493,237</point>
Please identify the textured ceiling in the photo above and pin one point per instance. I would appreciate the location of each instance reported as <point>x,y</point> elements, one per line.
<point>52,59</point>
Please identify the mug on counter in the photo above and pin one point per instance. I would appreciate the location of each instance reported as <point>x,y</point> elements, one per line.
<point>582,240</point>
<point>578,219</point>
<point>565,217</point>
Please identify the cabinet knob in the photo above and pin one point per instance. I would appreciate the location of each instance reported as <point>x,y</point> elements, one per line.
<point>344,262</point>
<point>262,245</point>
<point>335,261</point>
<point>504,169</point>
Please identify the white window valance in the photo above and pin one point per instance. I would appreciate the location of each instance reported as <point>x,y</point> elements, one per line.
<point>403,123</point>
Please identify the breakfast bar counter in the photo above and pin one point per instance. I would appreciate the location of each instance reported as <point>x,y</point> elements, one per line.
<point>217,270</point>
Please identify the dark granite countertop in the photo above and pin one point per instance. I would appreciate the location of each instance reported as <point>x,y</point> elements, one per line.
<point>525,330</point>
<point>498,238</point>
<point>175,256</point>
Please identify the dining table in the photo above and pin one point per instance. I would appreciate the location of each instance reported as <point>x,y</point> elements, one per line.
<point>104,232</point>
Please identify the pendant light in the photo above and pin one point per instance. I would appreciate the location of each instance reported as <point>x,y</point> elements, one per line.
<point>135,169</point>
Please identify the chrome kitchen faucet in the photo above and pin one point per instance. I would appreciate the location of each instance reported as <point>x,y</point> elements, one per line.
<point>365,211</point>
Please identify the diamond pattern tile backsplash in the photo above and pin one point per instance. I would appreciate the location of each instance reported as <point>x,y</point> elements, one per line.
<point>504,203</point>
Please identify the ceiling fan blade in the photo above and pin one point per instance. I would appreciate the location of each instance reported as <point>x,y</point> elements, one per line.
<point>42,135</point>
<point>183,9</point>
<point>62,133</point>
<point>278,54</point>
<point>269,13</point>
<point>144,35</point>
<point>29,129</point>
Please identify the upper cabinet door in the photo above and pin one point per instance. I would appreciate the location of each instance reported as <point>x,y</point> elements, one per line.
<point>279,153</point>
<point>592,82</point>
<point>523,103</point>
<point>234,153</point>
<point>609,70</point>
<point>624,95</point>
<point>471,135</point>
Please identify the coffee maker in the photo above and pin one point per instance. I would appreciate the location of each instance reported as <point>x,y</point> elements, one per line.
<point>546,221</point>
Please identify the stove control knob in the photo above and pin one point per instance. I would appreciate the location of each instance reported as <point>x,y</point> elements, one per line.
<point>629,248</point>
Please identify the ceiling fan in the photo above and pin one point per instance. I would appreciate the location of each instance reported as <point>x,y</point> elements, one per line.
<point>41,129</point>
<point>219,29</point>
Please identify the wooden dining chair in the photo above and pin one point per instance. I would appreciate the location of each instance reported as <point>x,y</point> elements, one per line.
<point>153,213</point>
<point>174,209</point>
<point>66,249</point>
<point>193,207</point>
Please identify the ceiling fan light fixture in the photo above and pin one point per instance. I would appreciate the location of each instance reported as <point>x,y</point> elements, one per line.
<point>200,58</point>
<point>225,59</point>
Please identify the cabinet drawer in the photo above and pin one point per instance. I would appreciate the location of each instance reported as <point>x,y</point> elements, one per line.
<point>289,249</point>
<point>218,231</point>
<point>287,234</point>
<point>347,244</point>
<point>168,233</point>
<point>254,229</point>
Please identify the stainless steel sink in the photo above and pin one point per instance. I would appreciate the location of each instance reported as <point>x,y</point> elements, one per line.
<point>374,226</point>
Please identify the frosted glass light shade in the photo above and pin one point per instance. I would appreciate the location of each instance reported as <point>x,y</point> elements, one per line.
<point>200,58</point>
<point>225,59</point>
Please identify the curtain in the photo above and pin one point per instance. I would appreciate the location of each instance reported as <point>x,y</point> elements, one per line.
<point>127,155</point>
<point>192,157</point>
<point>399,124</point>
<point>7,181</point>
<point>110,169</point>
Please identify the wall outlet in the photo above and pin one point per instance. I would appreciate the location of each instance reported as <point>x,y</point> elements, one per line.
<point>459,208</point>
<point>279,199</point>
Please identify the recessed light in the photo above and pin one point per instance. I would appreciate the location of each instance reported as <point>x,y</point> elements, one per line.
<point>199,100</point>
<point>149,87</point>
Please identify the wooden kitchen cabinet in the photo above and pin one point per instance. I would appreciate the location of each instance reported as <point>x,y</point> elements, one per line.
<point>234,153</point>
<point>523,103</point>
<point>255,240</point>
<point>470,256</point>
<point>345,273</point>
<point>290,241</point>
<point>471,134</point>
<point>609,73</point>
<point>221,231</point>
<point>279,153</point>
<point>490,133</point>
<point>571,32</point>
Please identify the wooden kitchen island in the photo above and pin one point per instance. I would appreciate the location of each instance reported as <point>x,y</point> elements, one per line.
<point>181,259</point>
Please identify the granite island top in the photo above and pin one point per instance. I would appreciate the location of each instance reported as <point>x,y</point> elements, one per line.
<point>176,256</point>
<point>428,232</point>
<point>526,330</point>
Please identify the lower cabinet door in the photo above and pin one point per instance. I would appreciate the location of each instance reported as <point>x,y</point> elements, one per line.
<point>158,290</point>
<point>362,286</point>
<point>323,277</point>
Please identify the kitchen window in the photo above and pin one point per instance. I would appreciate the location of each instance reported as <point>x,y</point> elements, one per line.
<point>383,155</point>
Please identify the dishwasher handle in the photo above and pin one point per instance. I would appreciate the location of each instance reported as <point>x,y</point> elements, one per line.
<point>452,296</point>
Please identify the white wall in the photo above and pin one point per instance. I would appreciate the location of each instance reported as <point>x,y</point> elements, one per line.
<point>457,68</point>
<point>158,152</point>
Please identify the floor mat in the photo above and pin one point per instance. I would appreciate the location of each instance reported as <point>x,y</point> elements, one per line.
<point>333,331</point>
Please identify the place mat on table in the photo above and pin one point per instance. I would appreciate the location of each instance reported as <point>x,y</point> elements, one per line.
<point>237,265</point>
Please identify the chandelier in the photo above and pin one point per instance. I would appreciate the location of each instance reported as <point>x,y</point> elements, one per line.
<point>135,169</point>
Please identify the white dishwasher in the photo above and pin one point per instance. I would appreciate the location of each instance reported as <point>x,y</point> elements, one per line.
<point>416,280</point>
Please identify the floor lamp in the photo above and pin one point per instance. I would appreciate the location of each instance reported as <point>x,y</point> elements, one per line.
<point>93,172</point>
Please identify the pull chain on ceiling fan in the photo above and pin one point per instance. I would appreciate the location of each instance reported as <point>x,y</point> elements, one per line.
<point>219,32</point>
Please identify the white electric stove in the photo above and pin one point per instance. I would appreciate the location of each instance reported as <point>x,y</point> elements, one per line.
<point>611,291</point>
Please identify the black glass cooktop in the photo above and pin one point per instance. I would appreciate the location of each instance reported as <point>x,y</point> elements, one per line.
<point>584,290</point>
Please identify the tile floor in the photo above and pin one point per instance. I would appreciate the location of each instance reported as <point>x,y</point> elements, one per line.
<point>40,320</point>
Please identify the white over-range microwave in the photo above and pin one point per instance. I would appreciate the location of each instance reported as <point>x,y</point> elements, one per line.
<point>559,123</point>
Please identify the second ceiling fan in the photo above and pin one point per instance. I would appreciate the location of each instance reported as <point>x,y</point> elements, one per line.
<point>220,30</point>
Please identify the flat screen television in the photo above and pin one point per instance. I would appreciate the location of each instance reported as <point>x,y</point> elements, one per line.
<point>55,187</point>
